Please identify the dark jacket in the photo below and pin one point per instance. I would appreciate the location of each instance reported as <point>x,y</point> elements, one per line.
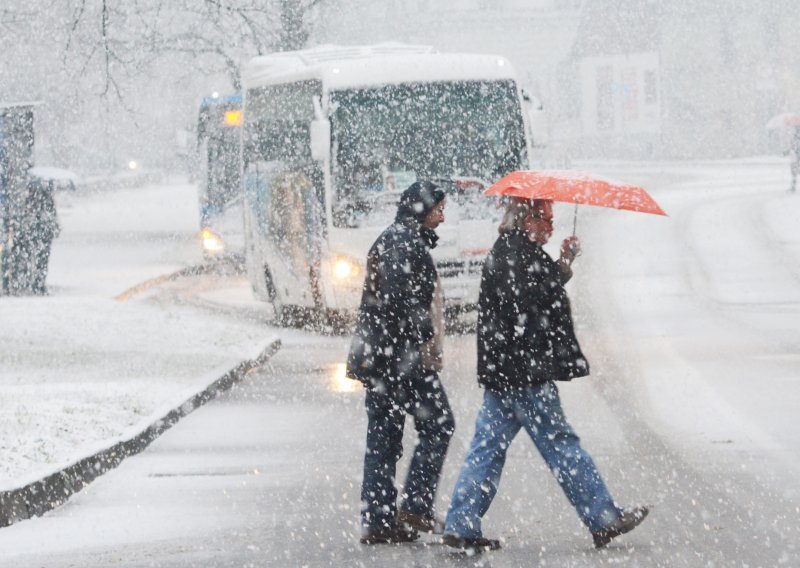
<point>525,333</point>
<point>41,219</point>
<point>394,318</point>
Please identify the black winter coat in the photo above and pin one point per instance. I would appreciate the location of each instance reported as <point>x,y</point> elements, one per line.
<point>40,223</point>
<point>525,332</point>
<point>394,317</point>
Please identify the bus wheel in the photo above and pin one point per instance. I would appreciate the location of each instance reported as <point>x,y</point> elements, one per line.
<point>319,316</point>
<point>280,312</point>
<point>339,322</point>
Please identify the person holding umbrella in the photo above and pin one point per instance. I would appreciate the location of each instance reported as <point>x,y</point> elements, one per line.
<point>526,343</point>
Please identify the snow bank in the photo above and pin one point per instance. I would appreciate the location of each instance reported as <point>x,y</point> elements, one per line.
<point>77,373</point>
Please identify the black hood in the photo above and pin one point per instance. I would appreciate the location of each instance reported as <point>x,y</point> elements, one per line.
<point>418,200</point>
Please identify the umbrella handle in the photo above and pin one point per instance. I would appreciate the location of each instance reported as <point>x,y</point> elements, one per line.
<point>575,220</point>
<point>574,227</point>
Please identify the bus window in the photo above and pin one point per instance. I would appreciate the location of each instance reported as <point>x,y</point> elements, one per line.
<point>387,137</point>
<point>277,123</point>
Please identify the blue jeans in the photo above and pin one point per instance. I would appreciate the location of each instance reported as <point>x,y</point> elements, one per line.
<point>423,397</point>
<point>538,410</point>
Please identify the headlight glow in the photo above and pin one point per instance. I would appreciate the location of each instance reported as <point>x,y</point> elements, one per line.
<point>211,241</point>
<point>338,381</point>
<point>345,268</point>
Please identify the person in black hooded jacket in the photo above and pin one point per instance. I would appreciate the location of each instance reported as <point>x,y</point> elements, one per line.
<point>526,342</point>
<point>393,327</point>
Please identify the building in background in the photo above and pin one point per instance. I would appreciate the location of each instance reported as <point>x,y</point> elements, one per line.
<point>681,80</point>
<point>614,74</point>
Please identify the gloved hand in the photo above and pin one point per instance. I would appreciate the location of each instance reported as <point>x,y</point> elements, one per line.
<point>570,249</point>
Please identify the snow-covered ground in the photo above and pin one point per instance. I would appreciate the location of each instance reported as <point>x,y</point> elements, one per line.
<point>78,369</point>
<point>707,304</point>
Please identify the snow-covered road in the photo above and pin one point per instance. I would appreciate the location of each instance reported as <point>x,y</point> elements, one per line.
<point>113,240</point>
<point>708,304</point>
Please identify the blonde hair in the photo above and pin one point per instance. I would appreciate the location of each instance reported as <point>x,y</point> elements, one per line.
<point>517,209</point>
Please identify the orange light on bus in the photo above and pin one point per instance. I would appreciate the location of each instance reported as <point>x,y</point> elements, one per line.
<point>233,118</point>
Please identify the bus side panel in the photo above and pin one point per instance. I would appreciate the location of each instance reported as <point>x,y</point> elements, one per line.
<point>288,235</point>
<point>287,230</point>
<point>278,245</point>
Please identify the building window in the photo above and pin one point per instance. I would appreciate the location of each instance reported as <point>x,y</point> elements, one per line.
<point>630,95</point>
<point>605,97</point>
<point>650,87</point>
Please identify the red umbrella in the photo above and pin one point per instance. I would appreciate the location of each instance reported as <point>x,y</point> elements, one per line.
<point>575,187</point>
<point>785,120</point>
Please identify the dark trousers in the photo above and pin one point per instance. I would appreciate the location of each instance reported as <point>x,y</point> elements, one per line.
<point>423,397</point>
<point>42,259</point>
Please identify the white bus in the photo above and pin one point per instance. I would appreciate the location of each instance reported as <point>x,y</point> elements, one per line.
<point>332,136</point>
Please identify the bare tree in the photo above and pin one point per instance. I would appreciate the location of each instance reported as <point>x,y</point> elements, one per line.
<point>112,75</point>
<point>293,31</point>
<point>122,38</point>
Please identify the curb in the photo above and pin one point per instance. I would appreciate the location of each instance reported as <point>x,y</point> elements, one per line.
<point>39,497</point>
<point>216,266</point>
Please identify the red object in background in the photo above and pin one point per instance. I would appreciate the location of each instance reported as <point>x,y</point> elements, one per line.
<point>785,120</point>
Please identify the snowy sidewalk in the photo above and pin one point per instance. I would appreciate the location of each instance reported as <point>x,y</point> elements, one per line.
<point>81,372</point>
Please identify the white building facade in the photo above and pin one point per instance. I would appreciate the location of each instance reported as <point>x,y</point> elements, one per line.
<point>620,94</point>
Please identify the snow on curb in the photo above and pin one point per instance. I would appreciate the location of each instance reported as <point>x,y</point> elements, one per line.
<point>51,491</point>
<point>228,264</point>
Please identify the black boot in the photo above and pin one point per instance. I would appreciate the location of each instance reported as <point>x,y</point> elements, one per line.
<point>627,521</point>
<point>430,524</point>
<point>389,535</point>
<point>474,544</point>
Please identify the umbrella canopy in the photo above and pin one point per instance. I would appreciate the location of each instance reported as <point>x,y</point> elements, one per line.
<point>785,120</point>
<point>575,187</point>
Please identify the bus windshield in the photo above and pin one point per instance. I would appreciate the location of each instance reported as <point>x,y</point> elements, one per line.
<point>385,138</point>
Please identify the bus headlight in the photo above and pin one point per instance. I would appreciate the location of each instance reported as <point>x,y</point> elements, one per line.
<point>344,268</point>
<point>211,241</point>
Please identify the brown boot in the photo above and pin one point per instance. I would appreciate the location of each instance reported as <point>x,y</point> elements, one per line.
<point>430,525</point>
<point>389,535</point>
<point>627,521</point>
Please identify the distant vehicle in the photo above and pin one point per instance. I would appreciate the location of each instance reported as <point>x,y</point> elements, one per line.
<point>219,174</point>
<point>331,137</point>
<point>57,179</point>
